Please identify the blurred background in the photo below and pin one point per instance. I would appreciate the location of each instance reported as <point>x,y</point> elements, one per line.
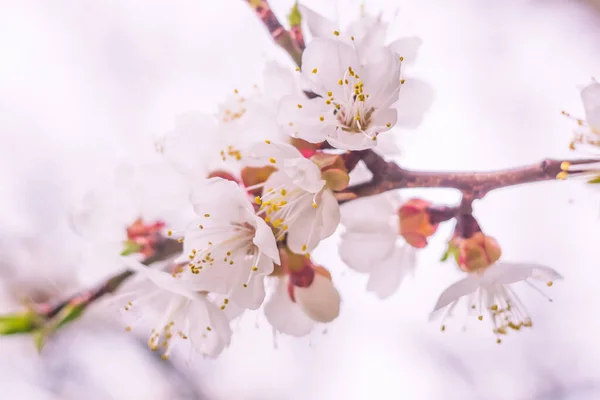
<point>85,82</point>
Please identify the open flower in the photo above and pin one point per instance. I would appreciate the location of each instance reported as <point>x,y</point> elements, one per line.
<point>175,312</point>
<point>588,135</point>
<point>295,198</point>
<point>490,292</point>
<point>354,103</point>
<point>303,295</point>
<point>372,243</point>
<point>229,249</point>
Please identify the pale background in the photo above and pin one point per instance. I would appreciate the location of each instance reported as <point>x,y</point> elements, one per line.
<point>82,82</point>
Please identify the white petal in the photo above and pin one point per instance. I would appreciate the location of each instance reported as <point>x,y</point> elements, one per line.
<point>330,214</point>
<point>506,273</point>
<point>387,143</point>
<point>387,274</point>
<point>283,314</point>
<point>381,79</point>
<point>351,141</point>
<point>265,240</point>
<point>320,301</point>
<point>304,233</point>
<point>590,96</point>
<point>279,81</point>
<point>260,154</point>
<point>330,59</point>
<point>208,342</point>
<point>362,251</point>
<point>305,122</point>
<point>415,99</point>
<point>407,48</point>
<point>372,214</point>
<point>318,25</point>
<point>192,145</point>
<point>456,291</point>
<point>383,120</point>
<point>304,173</point>
<point>220,197</point>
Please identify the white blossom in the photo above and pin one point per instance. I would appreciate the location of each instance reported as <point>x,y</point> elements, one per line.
<point>295,199</point>
<point>371,243</point>
<point>168,303</point>
<point>490,294</point>
<point>229,248</point>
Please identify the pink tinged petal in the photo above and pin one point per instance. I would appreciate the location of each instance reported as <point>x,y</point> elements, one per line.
<point>265,241</point>
<point>318,25</point>
<point>507,273</point>
<point>304,173</point>
<point>330,59</point>
<point>264,153</point>
<point>590,95</point>
<point>387,274</point>
<point>457,290</point>
<point>279,81</point>
<point>407,48</point>
<point>415,99</point>
<point>300,117</point>
<point>283,314</point>
<point>362,251</point>
<point>320,301</point>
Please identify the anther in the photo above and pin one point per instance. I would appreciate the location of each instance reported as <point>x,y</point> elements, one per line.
<point>314,71</point>
<point>336,33</point>
<point>562,175</point>
<point>272,160</point>
<point>564,166</point>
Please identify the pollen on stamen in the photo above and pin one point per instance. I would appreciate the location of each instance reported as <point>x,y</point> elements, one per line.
<point>402,81</point>
<point>304,247</point>
<point>340,82</point>
<point>562,175</point>
<point>314,71</point>
<point>315,205</point>
<point>564,166</point>
<point>336,33</point>
<point>443,328</point>
<point>267,141</point>
<point>299,105</point>
<point>297,69</point>
<point>257,200</point>
<point>549,283</point>
<point>201,226</point>
<point>389,124</point>
<point>206,215</point>
<point>401,58</point>
<point>352,38</point>
<point>254,268</point>
<point>290,123</point>
<point>128,329</point>
<point>180,240</point>
<point>321,118</point>
<point>272,160</point>
<point>329,94</point>
<point>169,233</point>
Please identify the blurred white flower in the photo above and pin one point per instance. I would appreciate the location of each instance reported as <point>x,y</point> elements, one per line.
<point>490,293</point>
<point>302,296</point>
<point>295,198</point>
<point>230,249</point>
<point>132,206</point>
<point>183,314</point>
<point>371,242</point>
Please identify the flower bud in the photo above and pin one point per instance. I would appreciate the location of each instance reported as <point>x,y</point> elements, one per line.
<point>320,301</point>
<point>477,252</point>
<point>143,238</point>
<point>415,222</point>
<point>310,287</point>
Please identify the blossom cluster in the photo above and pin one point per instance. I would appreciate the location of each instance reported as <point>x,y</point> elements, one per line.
<point>251,190</point>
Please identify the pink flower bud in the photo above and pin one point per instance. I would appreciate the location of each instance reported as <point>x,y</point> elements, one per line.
<point>477,252</point>
<point>145,236</point>
<point>415,223</point>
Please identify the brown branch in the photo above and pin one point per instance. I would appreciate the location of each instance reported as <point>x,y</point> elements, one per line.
<point>389,176</point>
<point>165,250</point>
<point>281,36</point>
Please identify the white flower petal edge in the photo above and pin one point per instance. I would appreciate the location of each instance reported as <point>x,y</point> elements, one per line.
<point>371,243</point>
<point>184,314</point>
<point>590,96</point>
<point>489,293</point>
<point>283,314</point>
<point>320,301</point>
<point>229,250</point>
